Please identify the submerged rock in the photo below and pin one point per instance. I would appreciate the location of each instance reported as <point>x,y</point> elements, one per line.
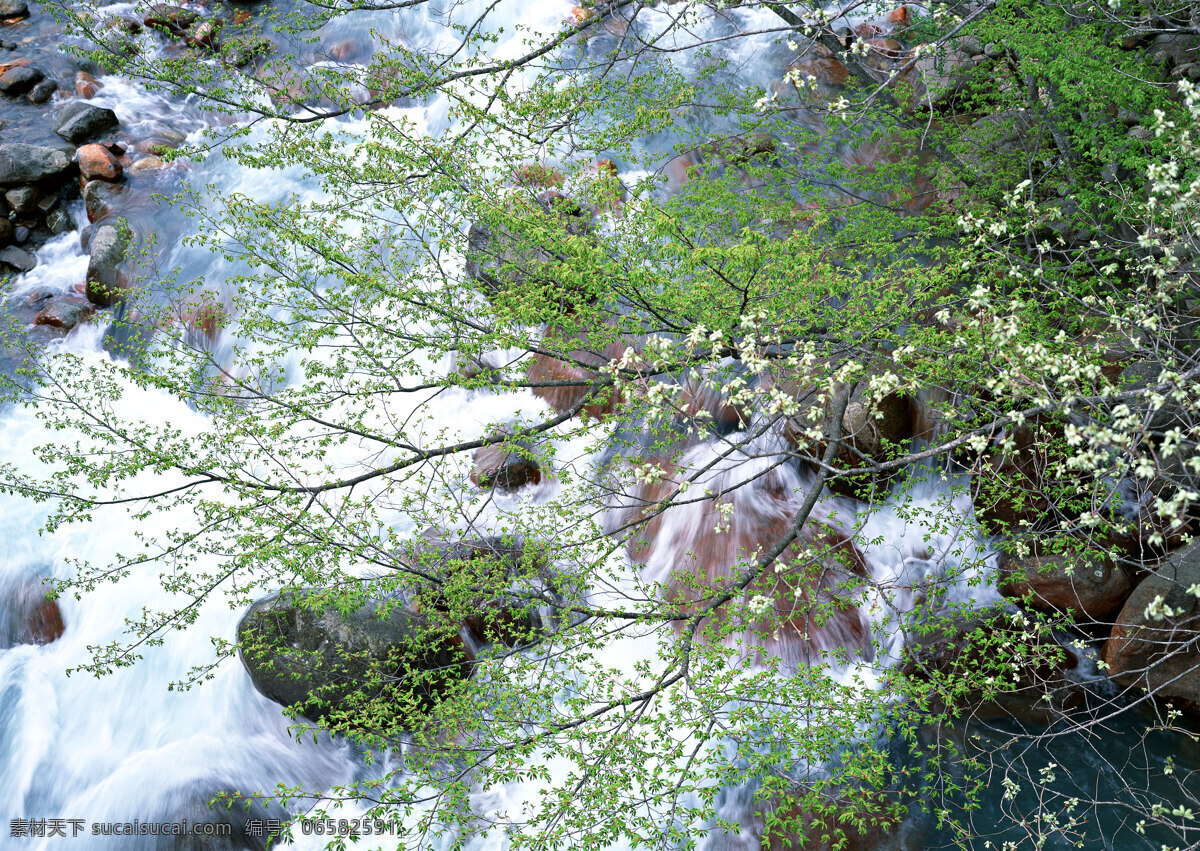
<point>100,199</point>
<point>86,85</point>
<point>146,164</point>
<point>27,616</point>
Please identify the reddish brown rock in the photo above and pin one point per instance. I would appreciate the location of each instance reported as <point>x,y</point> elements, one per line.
<point>581,15</point>
<point>698,401</point>
<point>86,85</point>
<point>204,35</point>
<point>547,370</point>
<point>815,590</point>
<point>899,17</point>
<point>129,26</point>
<point>29,617</point>
<point>64,313</point>
<point>1155,642</point>
<point>147,163</point>
<point>887,47</point>
<point>821,64</point>
<point>1089,585</point>
<point>882,54</point>
<point>206,318</point>
<point>45,622</point>
<point>356,49</point>
<point>97,162</point>
<point>504,467</point>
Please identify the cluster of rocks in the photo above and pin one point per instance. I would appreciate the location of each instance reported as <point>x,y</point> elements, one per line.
<point>37,182</point>
<point>34,181</point>
<point>19,79</point>
<point>189,29</point>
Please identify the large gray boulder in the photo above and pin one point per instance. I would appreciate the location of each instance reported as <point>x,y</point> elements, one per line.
<point>21,163</point>
<point>82,120</point>
<point>13,9</point>
<point>16,258</point>
<point>377,668</point>
<point>106,281</point>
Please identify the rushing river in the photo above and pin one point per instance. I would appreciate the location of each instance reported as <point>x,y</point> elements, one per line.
<point>85,752</point>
